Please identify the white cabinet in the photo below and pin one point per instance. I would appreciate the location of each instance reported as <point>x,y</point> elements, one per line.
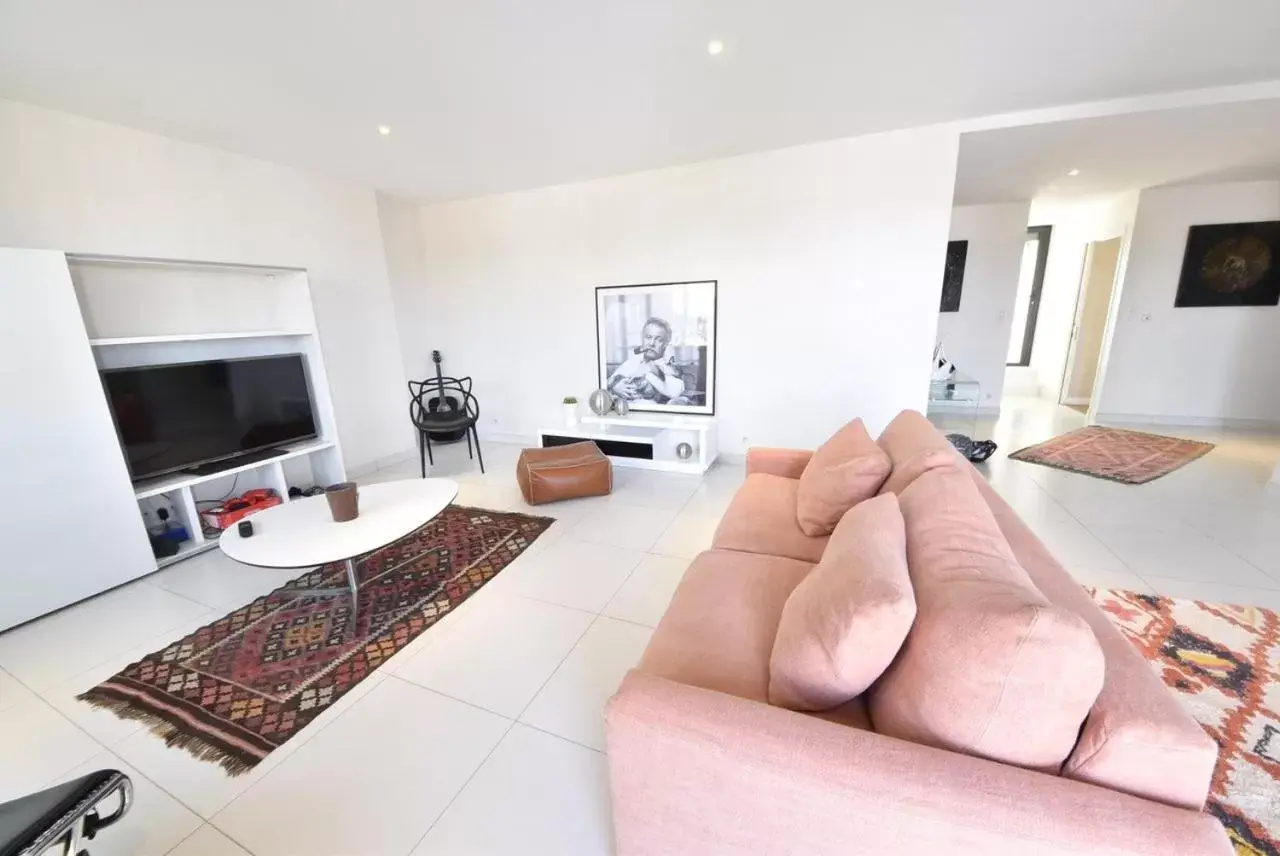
<point>70,519</point>
<point>69,523</point>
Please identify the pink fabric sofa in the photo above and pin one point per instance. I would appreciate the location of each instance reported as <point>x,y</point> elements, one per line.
<point>701,763</point>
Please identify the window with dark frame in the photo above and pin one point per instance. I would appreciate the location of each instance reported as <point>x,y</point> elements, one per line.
<point>1026,309</point>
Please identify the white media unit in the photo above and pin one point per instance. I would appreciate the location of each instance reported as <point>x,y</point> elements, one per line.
<point>645,440</point>
<point>78,529</point>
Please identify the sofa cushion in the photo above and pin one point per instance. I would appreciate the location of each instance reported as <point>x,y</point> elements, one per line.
<point>842,626</point>
<point>845,470</point>
<point>762,519</point>
<point>990,667</point>
<point>914,448</point>
<point>719,629</point>
<point>1137,737</point>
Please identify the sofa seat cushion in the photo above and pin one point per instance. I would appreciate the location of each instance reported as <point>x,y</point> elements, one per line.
<point>914,448</point>
<point>1137,737</point>
<point>845,622</point>
<point>844,471</point>
<point>991,668</point>
<point>719,629</point>
<point>762,519</point>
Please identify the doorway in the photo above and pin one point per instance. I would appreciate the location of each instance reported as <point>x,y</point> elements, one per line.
<point>1093,305</point>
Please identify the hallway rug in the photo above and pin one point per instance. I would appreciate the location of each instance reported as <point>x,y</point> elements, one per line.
<point>1223,662</point>
<point>236,689</point>
<point>1129,457</point>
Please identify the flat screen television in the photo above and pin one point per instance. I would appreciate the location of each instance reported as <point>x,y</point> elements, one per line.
<point>174,417</point>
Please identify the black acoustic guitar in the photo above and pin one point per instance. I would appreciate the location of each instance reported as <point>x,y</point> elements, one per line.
<point>442,402</point>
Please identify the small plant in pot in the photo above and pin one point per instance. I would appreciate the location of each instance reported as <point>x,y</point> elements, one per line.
<point>570,411</point>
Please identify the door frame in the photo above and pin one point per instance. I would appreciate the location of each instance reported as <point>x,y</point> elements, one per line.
<point>1075,327</point>
<point>1085,267</point>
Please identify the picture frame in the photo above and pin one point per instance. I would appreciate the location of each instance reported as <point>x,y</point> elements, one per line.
<point>656,345</point>
<point>1230,264</point>
<point>953,276</point>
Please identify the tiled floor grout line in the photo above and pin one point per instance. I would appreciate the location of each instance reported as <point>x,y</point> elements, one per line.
<point>443,694</point>
<point>228,836</point>
<point>211,607</point>
<point>1082,524</point>
<point>1240,556</point>
<point>557,668</point>
<point>577,743</point>
<point>513,724</point>
<point>203,824</point>
<point>103,747</point>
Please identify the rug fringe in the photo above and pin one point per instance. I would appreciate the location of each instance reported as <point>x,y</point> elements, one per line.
<point>194,745</point>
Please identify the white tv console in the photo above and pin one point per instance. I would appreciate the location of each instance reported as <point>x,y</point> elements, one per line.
<point>646,441</point>
<point>181,490</point>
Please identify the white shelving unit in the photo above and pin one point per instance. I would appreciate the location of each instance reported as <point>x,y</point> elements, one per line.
<point>169,484</point>
<point>181,490</point>
<point>141,312</point>
<point>76,525</point>
<point>195,337</point>
<point>646,441</point>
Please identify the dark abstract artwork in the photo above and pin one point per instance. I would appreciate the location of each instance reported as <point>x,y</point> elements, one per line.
<point>953,275</point>
<point>1231,264</point>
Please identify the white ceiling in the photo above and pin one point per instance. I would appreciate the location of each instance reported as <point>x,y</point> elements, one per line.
<point>1222,142</point>
<point>491,95</point>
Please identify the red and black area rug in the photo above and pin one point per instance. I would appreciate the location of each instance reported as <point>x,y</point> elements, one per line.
<point>234,690</point>
<point>1115,454</point>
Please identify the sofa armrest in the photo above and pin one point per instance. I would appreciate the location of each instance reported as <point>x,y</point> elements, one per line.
<point>788,463</point>
<point>693,771</point>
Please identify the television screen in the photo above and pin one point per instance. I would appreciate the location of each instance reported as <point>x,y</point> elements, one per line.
<point>177,416</point>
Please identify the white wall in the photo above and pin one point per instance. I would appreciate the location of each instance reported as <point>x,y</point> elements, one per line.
<point>977,337</point>
<point>79,185</point>
<point>1190,365</point>
<point>407,270</point>
<point>829,260</point>
<point>1076,222</point>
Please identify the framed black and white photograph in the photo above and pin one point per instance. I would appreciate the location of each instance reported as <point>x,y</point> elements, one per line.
<point>953,275</point>
<point>656,345</point>
<point>1231,264</point>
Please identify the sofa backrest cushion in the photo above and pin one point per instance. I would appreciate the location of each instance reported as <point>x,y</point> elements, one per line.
<point>845,470</point>
<point>843,625</point>
<point>990,668</point>
<point>1137,738</point>
<point>914,448</point>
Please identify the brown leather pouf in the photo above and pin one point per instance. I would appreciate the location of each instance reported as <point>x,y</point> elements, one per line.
<point>564,472</point>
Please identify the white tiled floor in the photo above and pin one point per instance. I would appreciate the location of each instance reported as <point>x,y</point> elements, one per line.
<point>484,735</point>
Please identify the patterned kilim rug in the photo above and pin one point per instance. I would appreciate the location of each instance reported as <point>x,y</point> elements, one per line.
<point>1224,664</point>
<point>1130,457</point>
<point>234,690</point>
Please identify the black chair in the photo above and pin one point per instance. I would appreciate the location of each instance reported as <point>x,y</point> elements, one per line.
<point>64,816</point>
<point>454,409</point>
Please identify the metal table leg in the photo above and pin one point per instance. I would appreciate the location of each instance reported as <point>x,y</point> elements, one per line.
<point>355,587</point>
<point>352,589</point>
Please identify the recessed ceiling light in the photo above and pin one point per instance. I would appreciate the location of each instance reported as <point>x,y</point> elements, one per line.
<point>384,130</point>
<point>1073,173</point>
<point>715,47</point>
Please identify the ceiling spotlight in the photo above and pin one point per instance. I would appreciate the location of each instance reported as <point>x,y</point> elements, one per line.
<point>715,47</point>
<point>1073,173</point>
<point>384,130</point>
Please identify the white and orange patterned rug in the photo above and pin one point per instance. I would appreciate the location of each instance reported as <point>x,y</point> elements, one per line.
<point>1223,662</point>
<point>1129,457</point>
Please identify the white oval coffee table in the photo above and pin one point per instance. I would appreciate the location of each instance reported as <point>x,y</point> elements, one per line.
<point>302,533</point>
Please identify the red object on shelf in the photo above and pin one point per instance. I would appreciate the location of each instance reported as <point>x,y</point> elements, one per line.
<point>232,511</point>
